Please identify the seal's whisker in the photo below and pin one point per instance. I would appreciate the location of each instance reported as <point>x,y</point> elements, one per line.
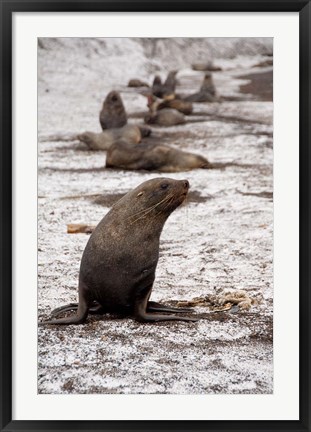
<point>149,209</point>
<point>140,212</point>
<point>145,214</point>
<point>168,204</point>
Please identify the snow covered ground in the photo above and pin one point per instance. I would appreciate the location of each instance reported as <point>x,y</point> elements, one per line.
<point>221,239</point>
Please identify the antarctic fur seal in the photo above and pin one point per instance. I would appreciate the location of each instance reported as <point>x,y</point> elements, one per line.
<point>208,66</point>
<point>200,96</point>
<point>152,157</point>
<point>167,89</point>
<point>171,80</point>
<point>208,84</point>
<point>157,86</point>
<point>103,140</point>
<point>137,83</point>
<point>118,264</point>
<point>165,117</point>
<point>113,114</point>
<point>207,92</point>
<point>155,104</point>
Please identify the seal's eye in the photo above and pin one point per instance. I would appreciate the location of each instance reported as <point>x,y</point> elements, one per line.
<point>114,98</point>
<point>140,194</point>
<point>164,185</point>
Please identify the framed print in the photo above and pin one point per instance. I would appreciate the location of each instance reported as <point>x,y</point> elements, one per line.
<point>155,216</point>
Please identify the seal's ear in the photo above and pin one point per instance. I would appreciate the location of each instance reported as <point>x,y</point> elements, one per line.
<point>140,194</point>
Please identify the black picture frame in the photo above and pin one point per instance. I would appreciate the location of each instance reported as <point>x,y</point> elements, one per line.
<point>7,9</point>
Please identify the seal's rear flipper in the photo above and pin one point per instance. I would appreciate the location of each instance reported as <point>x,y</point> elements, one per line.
<point>154,317</point>
<point>94,308</point>
<point>79,318</point>
<point>158,307</point>
<point>141,313</point>
<point>59,310</point>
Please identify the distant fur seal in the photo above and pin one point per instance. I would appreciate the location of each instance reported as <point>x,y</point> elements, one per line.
<point>137,83</point>
<point>171,80</point>
<point>207,92</point>
<point>166,90</point>
<point>208,84</point>
<point>150,156</point>
<point>165,117</point>
<point>208,66</point>
<point>200,96</point>
<point>118,265</point>
<point>113,114</point>
<point>103,140</point>
<point>156,104</point>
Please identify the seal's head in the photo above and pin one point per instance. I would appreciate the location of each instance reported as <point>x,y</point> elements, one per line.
<point>89,138</point>
<point>150,117</point>
<point>155,198</point>
<point>157,80</point>
<point>207,81</point>
<point>113,99</point>
<point>171,77</point>
<point>85,137</point>
<point>173,73</point>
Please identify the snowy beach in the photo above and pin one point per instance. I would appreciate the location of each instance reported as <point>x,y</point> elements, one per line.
<point>220,240</point>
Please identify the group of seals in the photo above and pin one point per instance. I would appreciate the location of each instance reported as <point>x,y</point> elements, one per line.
<point>169,112</point>
<point>123,142</point>
<point>172,103</point>
<point>118,264</point>
<point>159,89</point>
<point>113,121</point>
<point>130,154</point>
<point>166,91</point>
<point>126,151</point>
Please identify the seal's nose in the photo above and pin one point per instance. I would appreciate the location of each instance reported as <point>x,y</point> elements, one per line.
<point>186,184</point>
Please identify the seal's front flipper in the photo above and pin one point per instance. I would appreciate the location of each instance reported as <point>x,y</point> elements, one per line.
<point>158,307</point>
